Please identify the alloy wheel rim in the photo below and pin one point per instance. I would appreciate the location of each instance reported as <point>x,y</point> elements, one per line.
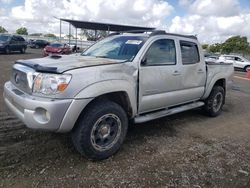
<point>217,102</point>
<point>106,132</point>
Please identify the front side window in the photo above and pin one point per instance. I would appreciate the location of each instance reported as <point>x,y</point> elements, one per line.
<point>189,53</point>
<point>21,39</point>
<point>161,52</point>
<point>238,59</point>
<point>116,47</point>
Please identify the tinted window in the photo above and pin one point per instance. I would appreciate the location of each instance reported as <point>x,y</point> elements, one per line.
<point>161,52</point>
<point>4,38</point>
<point>21,39</point>
<point>14,38</point>
<point>238,59</point>
<point>189,53</point>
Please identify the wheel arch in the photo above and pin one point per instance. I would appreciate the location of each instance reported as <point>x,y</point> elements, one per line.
<point>119,97</point>
<point>246,67</point>
<point>216,82</point>
<point>114,90</point>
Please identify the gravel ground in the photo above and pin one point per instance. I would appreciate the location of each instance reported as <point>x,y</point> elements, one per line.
<point>184,150</point>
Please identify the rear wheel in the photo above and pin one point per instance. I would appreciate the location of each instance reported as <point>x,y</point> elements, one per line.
<point>101,130</point>
<point>36,46</point>
<point>22,50</point>
<point>215,101</point>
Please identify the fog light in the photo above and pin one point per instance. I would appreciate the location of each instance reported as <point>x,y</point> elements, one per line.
<point>41,115</point>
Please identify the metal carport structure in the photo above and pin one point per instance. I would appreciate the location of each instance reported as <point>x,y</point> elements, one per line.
<point>100,26</point>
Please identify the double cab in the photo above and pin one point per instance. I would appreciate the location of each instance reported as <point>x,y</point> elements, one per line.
<point>123,78</point>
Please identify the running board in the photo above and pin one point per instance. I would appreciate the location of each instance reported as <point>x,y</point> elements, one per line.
<point>167,112</point>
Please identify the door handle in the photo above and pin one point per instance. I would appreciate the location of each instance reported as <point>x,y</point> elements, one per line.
<point>176,73</point>
<point>200,71</point>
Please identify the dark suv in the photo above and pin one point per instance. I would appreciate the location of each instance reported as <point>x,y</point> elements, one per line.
<point>39,44</point>
<point>10,43</point>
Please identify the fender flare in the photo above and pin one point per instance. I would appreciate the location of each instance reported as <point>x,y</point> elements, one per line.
<point>211,85</point>
<point>109,86</point>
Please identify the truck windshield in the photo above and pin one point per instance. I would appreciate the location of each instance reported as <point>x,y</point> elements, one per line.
<point>116,47</point>
<point>4,38</point>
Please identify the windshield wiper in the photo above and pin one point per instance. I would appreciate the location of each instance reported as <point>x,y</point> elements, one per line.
<point>101,56</point>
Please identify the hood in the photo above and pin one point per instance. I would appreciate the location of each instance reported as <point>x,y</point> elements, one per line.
<point>62,63</point>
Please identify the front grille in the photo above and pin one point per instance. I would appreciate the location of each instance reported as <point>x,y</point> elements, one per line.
<point>22,77</point>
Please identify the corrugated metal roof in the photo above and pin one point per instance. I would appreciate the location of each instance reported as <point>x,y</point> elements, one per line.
<point>104,26</point>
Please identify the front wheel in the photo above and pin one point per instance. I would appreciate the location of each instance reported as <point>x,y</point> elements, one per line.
<point>215,101</point>
<point>7,50</point>
<point>22,50</point>
<point>101,130</point>
<point>247,68</point>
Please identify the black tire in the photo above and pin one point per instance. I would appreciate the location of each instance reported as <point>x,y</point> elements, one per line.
<point>22,50</point>
<point>215,101</point>
<point>246,68</point>
<point>92,125</point>
<point>36,46</point>
<point>7,50</point>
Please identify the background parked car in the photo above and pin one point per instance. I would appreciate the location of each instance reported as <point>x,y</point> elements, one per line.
<point>9,43</point>
<point>39,44</point>
<point>57,48</point>
<point>213,59</point>
<point>239,62</point>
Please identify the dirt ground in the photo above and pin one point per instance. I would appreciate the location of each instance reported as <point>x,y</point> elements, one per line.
<point>184,150</point>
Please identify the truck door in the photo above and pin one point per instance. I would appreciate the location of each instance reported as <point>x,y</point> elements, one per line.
<point>159,76</point>
<point>13,43</point>
<point>193,71</point>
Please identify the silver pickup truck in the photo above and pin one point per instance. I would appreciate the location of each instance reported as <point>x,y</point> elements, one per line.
<point>123,77</point>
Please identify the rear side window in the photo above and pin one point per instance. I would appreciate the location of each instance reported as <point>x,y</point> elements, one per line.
<point>21,39</point>
<point>161,52</point>
<point>189,53</point>
<point>14,38</point>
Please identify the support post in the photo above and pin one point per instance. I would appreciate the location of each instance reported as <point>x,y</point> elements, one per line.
<point>69,32</point>
<point>76,38</point>
<point>108,30</point>
<point>60,36</point>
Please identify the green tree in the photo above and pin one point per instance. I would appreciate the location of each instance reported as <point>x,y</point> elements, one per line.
<point>3,30</point>
<point>215,48</point>
<point>237,44</point>
<point>50,35</point>
<point>205,46</point>
<point>22,31</point>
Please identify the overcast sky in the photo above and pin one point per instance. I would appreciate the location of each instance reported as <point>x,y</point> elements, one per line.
<point>211,20</point>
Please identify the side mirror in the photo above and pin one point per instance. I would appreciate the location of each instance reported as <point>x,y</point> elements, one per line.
<point>144,61</point>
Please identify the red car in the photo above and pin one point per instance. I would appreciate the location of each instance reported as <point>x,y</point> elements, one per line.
<point>56,48</point>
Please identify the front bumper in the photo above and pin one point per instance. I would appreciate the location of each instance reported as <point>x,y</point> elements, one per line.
<point>57,115</point>
<point>2,48</point>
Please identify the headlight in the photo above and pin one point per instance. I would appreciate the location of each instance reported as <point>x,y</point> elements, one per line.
<point>50,84</point>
